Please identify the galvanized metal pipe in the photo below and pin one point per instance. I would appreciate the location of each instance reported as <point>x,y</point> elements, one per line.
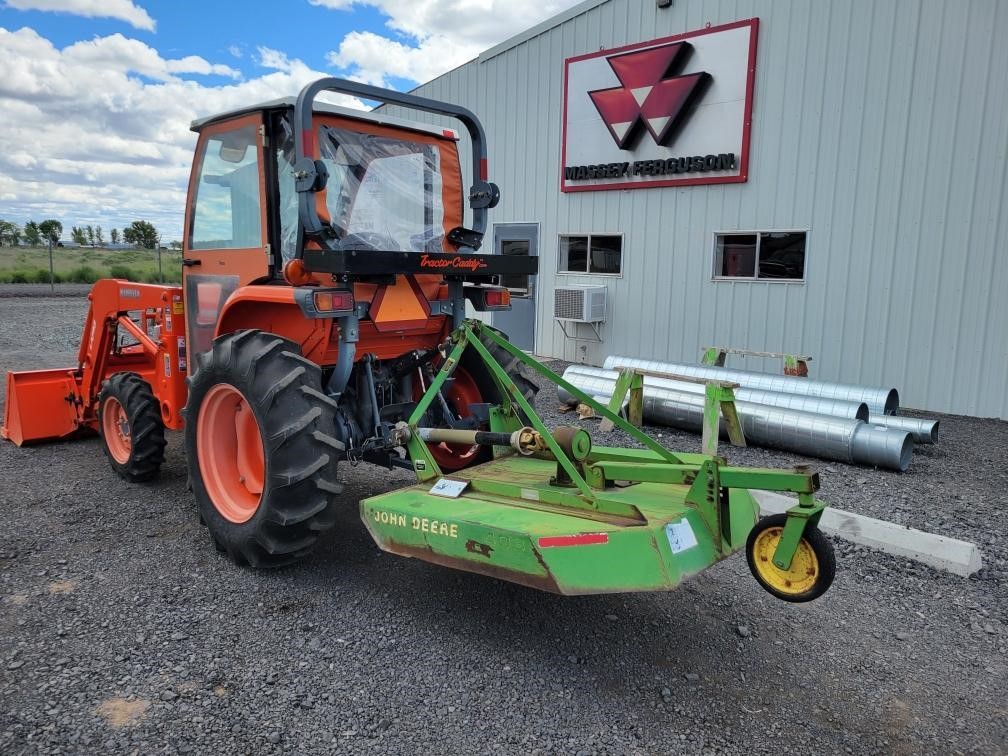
<point>881,401</point>
<point>922,431</point>
<point>822,436</point>
<point>798,402</point>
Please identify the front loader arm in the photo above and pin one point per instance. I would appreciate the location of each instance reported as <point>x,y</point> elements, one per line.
<point>46,405</point>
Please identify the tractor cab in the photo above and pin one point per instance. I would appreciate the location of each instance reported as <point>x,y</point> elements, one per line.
<point>389,185</point>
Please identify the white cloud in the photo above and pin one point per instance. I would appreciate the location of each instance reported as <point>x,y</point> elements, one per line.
<point>124,10</point>
<point>98,132</point>
<point>373,59</point>
<point>117,52</point>
<point>432,36</point>
<point>334,4</point>
<point>270,58</point>
<point>235,51</point>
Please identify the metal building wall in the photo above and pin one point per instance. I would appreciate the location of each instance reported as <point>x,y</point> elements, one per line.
<point>880,126</point>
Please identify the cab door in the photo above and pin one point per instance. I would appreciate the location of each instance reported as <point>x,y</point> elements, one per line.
<point>225,242</point>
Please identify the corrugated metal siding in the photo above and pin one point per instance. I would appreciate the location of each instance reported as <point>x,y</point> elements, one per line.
<point>882,127</point>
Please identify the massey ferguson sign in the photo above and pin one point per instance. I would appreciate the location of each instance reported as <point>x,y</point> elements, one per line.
<point>670,112</point>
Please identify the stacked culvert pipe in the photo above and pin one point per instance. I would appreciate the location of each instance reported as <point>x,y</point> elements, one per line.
<point>847,423</point>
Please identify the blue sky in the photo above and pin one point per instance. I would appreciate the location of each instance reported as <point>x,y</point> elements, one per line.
<point>218,30</point>
<point>98,94</point>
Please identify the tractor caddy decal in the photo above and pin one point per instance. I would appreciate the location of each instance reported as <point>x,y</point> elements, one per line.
<point>455,262</point>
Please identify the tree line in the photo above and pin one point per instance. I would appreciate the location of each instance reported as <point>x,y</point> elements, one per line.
<point>139,233</point>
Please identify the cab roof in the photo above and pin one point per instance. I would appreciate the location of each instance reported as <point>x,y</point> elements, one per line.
<point>287,103</point>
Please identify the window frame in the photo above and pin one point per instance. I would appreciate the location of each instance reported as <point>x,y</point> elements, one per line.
<point>211,131</point>
<point>589,235</point>
<point>758,232</point>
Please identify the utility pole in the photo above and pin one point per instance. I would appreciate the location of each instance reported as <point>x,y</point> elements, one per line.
<point>52,282</point>
<point>157,243</point>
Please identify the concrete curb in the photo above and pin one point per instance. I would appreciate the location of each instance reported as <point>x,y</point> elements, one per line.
<point>950,554</point>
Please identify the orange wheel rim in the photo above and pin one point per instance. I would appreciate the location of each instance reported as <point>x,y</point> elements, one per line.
<point>116,430</point>
<point>229,450</point>
<point>462,392</point>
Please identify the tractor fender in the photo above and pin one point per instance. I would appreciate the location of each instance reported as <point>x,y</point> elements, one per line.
<point>276,309</point>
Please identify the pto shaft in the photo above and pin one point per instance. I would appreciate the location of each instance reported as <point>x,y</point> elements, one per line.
<point>525,440</point>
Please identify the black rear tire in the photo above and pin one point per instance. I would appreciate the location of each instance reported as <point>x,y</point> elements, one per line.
<point>512,366</point>
<point>300,449</point>
<point>145,430</point>
<point>488,387</point>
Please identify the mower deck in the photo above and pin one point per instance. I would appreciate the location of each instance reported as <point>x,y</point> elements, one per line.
<point>554,547</point>
<point>552,511</point>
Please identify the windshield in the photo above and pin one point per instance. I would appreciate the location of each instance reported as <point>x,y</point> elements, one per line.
<point>383,192</point>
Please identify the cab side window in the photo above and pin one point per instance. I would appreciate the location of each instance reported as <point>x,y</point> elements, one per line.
<point>226,212</point>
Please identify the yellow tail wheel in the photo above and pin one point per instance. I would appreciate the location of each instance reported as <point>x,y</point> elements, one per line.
<point>812,569</point>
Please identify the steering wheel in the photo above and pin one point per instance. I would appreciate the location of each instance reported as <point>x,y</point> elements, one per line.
<point>369,240</point>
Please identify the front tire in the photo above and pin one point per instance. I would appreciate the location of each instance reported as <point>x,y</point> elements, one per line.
<point>811,572</point>
<point>130,425</point>
<point>261,449</point>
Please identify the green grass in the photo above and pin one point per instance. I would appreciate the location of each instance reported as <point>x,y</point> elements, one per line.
<point>29,265</point>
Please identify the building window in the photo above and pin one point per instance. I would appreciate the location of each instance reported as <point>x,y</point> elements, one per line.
<point>760,255</point>
<point>591,253</point>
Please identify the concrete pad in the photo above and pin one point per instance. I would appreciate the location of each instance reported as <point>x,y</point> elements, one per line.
<point>950,554</point>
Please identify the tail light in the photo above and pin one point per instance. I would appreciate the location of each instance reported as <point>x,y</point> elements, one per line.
<point>498,298</point>
<point>485,298</point>
<point>333,301</point>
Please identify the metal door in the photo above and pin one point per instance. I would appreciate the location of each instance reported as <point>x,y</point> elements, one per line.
<point>519,322</point>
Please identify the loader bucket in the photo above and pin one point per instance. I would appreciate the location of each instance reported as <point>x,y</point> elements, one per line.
<point>40,406</point>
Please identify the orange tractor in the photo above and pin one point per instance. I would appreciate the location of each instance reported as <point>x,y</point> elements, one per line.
<point>325,264</point>
<point>321,318</point>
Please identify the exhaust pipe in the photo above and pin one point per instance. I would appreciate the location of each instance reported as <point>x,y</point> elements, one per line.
<point>812,404</point>
<point>834,438</point>
<point>880,401</point>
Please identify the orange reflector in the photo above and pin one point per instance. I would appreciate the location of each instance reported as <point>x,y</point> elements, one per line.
<point>295,273</point>
<point>581,539</point>
<point>334,301</point>
<point>498,298</point>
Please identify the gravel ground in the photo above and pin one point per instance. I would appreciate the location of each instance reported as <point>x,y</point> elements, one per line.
<point>123,631</point>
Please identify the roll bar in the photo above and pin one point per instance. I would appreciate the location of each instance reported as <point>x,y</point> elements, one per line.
<point>310,175</point>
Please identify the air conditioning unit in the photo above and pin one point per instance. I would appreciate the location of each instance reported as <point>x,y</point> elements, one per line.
<point>579,304</point>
